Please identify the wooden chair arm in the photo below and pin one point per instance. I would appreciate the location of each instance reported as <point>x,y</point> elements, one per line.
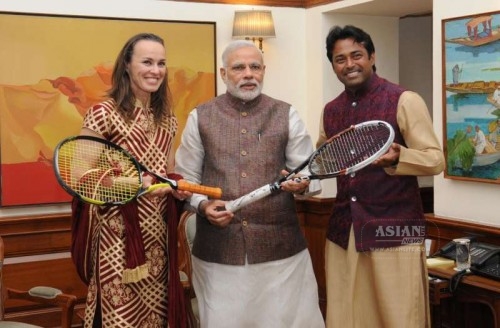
<point>186,284</point>
<point>48,296</point>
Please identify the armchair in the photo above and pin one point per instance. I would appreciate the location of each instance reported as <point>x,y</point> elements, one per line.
<point>186,231</point>
<point>40,295</point>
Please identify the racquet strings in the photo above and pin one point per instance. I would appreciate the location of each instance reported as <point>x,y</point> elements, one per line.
<point>98,172</point>
<point>349,148</point>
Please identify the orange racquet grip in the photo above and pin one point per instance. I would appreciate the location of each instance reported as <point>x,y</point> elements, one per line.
<point>213,192</point>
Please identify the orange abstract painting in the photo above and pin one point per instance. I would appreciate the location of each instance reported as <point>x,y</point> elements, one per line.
<point>53,68</point>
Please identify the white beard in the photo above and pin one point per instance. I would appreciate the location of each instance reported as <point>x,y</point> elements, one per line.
<point>245,95</point>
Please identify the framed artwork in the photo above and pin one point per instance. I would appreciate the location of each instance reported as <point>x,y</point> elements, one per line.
<point>53,68</point>
<point>471,97</point>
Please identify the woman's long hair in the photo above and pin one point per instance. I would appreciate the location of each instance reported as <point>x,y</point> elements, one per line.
<point>121,90</point>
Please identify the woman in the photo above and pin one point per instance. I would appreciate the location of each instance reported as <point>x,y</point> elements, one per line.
<point>124,258</point>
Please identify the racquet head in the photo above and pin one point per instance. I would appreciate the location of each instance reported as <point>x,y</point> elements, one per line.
<point>351,149</point>
<point>97,171</point>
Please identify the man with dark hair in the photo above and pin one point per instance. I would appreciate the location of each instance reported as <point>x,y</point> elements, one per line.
<point>375,258</point>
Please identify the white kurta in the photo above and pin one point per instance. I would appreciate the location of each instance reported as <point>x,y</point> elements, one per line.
<point>277,294</point>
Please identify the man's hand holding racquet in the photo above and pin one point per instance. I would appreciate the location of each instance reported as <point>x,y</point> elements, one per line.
<point>215,212</point>
<point>293,185</point>
<point>391,158</point>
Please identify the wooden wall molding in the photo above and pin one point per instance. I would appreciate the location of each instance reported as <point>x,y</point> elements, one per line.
<point>35,235</point>
<point>271,3</point>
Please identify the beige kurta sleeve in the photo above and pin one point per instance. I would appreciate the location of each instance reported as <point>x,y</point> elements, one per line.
<point>423,154</point>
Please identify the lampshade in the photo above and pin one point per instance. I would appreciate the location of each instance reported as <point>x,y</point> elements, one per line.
<point>253,24</point>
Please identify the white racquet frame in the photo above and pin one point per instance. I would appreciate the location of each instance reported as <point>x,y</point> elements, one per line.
<point>304,169</point>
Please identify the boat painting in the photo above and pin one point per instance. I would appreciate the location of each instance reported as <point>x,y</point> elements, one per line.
<point>493,102</point>
<point>482,159</point>
<point>470,79</point>
<point>476,37</point>
<point>486,159</point>
<point>490,154</point>
<point>473,87</point>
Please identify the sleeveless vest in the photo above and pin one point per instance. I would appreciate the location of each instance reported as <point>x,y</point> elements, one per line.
<point>245,147</point>
<point>385,210</point>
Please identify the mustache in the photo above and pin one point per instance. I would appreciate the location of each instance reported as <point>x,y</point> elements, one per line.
<point>248,82</point>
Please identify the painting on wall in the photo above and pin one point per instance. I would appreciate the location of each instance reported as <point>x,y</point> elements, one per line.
<point>471,97</point>
<point>53,68</point>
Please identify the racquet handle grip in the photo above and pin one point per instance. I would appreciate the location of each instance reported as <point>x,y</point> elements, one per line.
<point>213,192</point>
<point>251,197</point>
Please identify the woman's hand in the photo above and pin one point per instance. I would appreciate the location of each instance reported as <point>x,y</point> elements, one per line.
<point>181,194</point>
<point>147,181</point>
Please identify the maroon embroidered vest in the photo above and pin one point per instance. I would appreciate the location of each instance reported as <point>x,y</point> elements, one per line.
<point>245,147</point>
<point>385,210</point>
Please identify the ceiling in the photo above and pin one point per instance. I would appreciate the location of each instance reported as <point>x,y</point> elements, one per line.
<point>391,8</point>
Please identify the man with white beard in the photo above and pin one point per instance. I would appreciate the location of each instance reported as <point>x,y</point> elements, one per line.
<point>251,268</point>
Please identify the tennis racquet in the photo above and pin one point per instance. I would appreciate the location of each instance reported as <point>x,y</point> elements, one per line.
<point>100,172</point>
<point>346,152</point>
